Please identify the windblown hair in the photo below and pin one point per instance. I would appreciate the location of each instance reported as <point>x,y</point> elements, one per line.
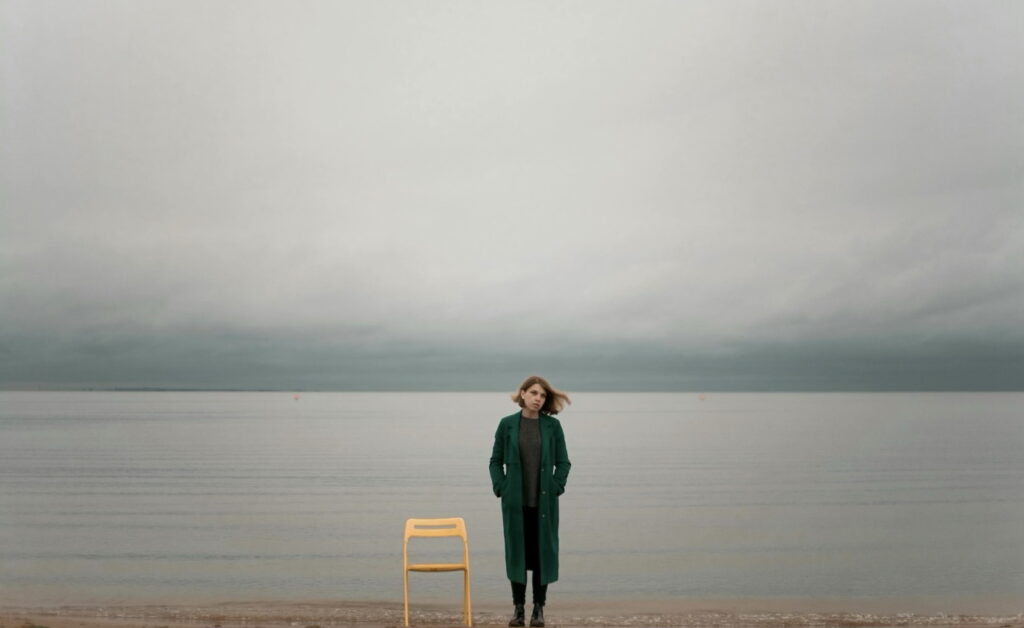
<point>556,399</point>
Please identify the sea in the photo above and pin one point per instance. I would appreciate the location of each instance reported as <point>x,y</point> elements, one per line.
<point>206,497</point>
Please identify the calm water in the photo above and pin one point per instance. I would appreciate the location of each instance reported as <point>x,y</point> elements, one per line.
<point>237,496</point>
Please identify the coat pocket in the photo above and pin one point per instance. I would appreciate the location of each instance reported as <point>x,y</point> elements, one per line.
<point>502,486</point>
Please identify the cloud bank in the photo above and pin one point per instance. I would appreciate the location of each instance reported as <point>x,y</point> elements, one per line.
<point>791,196</point>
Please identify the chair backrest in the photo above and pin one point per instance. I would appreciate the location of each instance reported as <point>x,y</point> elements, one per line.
<point>453,526</point>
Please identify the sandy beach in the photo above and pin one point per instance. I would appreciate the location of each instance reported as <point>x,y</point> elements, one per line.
<point>990,612</point>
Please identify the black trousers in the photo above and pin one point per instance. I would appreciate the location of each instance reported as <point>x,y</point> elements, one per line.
<point>531,528</point>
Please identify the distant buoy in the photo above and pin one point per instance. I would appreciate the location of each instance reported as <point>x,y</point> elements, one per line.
<point>295,396</point>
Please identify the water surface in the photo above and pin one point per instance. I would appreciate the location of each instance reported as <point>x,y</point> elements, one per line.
<point>115,496</point>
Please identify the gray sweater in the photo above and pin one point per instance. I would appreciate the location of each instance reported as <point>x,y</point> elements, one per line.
<point>529,459</point>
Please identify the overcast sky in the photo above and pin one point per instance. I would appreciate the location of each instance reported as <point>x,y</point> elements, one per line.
<point>417,195</point>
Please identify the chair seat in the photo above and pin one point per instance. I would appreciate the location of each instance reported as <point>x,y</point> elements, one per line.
<point>436,567</point>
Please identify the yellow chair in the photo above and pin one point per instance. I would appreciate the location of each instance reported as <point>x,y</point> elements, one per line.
<point>454,526</point>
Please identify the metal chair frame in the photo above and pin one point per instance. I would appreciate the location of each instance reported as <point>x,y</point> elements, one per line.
<point>453,526</point>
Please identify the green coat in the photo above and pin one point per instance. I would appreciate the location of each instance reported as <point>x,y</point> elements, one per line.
<point>507,481</point>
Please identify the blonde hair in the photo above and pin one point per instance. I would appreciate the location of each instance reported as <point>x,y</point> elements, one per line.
<point>555,401</point>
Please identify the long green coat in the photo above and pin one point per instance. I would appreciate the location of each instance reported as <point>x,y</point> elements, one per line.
<point>507,480</point>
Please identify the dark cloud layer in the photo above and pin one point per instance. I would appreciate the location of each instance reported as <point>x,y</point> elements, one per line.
<point>205,359</point>
<point>663,196</point>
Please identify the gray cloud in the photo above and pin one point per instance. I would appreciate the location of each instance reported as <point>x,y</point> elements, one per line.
<point>377,195</point>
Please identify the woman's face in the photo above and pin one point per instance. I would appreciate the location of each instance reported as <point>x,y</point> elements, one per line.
<point>534,397</point>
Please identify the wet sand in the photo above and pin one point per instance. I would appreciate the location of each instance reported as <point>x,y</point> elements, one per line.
<point>1007,612</point>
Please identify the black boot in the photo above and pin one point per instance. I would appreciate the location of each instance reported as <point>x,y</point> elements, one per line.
<point>537,619</point>
<point>518,616</point>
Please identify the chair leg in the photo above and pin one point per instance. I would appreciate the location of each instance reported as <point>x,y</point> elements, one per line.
<point>467,607</point>
<point>405,595</point>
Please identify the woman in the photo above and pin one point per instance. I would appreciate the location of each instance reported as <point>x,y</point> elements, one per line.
<point>529,467</point>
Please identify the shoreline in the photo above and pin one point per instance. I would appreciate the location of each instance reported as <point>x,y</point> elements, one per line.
<point>994,612</point>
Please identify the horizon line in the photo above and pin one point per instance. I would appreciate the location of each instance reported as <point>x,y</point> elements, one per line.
<point>435,390</point>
